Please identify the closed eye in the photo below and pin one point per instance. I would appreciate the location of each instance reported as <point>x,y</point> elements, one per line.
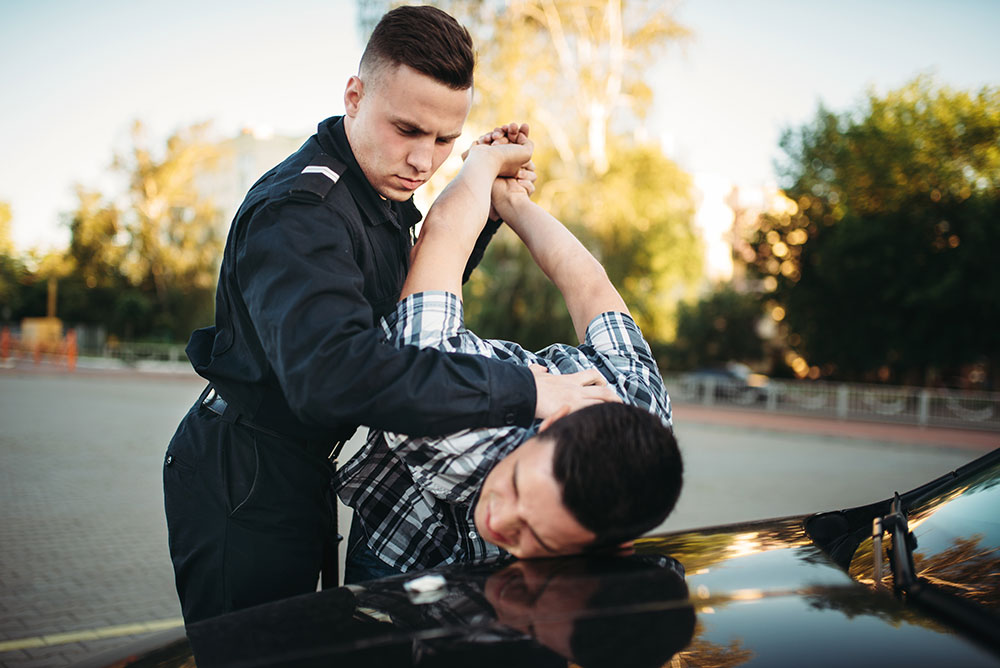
<point>541,543</point>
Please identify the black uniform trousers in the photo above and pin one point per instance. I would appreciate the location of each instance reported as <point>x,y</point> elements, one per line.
<point>247,514</point>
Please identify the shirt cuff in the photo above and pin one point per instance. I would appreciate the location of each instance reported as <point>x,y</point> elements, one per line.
<point>612,330</point>
<point>512,395</point>
<point>425,317</point>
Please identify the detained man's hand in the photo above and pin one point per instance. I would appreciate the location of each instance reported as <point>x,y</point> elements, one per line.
<point>521,182</point>
<point>572,390</point>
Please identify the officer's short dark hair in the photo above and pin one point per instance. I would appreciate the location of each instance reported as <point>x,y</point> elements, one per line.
<point>426,39</point>
<point>619,467</point>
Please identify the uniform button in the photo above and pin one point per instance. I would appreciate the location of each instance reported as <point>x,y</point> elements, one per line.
<point>509,418</point>
<point>169,460</point>
<point>473,535</point>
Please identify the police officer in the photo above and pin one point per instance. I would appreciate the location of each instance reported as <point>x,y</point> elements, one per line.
<point>316,255</point>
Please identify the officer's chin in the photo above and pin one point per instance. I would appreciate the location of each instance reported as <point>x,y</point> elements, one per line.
<point>395,194</point>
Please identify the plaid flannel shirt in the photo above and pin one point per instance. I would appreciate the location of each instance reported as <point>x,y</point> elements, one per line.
<point>415,497</point>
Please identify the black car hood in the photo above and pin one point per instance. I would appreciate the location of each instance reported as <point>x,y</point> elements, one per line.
<point>765,594</point>
<point>795,591</point>
<point>754,594</point>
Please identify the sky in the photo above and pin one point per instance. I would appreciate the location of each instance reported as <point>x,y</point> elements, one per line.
<point>74,75</point>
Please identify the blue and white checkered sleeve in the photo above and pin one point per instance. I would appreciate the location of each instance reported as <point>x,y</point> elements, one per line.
<point>425,320</point>
<point>451,466</point>
<point>618,340</point>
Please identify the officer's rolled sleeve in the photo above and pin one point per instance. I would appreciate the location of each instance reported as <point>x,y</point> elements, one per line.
<point>303,290</point>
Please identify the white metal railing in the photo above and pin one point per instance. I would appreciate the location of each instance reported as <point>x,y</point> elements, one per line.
<point>913,405</point>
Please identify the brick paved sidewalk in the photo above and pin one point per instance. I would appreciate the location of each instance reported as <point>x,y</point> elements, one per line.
<point>83,557</point>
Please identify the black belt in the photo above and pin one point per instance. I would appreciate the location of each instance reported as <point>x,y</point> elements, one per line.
<point>214,402</point>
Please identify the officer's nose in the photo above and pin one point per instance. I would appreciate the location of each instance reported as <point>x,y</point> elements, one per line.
<point>422,156</point>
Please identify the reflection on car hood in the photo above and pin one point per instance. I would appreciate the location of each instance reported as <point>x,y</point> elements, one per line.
<point>754,593</point>
<point>785,592</point>
<point>765,594</point>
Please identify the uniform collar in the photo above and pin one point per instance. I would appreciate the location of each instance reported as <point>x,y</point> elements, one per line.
<point>333,139</point>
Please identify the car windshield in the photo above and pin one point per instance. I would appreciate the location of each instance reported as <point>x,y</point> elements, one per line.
<point>958,537</point>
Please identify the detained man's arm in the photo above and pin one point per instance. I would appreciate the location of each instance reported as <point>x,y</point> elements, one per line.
<point>448,235</point>
<point>457,217</point>
<point>569,265</point>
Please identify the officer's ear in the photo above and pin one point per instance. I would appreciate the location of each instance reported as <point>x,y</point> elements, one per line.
<point>352,95</point>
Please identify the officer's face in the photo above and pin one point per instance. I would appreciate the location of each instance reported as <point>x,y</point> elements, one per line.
<point>520,507</point>
<point>402,125</point>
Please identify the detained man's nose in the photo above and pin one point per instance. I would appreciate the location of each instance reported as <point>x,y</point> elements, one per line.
<point>506,524</point>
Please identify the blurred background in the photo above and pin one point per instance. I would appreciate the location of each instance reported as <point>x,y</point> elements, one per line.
<point>799,202</point>
<point>809,190</point>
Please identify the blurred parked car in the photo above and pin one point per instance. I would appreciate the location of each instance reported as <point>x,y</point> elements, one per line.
<point>913,580</point>
<point>733,382</point>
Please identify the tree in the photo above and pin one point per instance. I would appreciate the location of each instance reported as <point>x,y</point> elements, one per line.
<point>576,71</point>
<point>636,219</point>
<point>11,269</point>
<point>570,67</point>
<point>145,262</point>
<point>719,328</point>
<point>175,241</point>
<point>884,262</point>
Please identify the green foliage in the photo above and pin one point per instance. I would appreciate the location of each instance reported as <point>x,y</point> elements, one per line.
<point>636,219</point>
<point>718,328</point>
<point>174,230</point>
<point>508,297</point>
<point>570,68</point>
<point>6,242</point>
<point>145,263</point>
<point>12,271</point>
<point>885,259</point>
<point>576,71</point>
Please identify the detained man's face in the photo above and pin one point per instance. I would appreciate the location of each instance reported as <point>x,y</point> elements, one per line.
<point>520,506</point>
<point>537,598</point>
<point>402,125</point>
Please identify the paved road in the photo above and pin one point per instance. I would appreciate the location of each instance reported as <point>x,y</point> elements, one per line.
<point>83,540</point>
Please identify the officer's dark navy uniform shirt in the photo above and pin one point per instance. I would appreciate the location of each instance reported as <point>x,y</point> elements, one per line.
<point>315,257</point>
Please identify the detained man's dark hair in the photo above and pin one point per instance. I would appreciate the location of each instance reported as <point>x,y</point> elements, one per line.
<point>425,38</point>
<point>619,467</point>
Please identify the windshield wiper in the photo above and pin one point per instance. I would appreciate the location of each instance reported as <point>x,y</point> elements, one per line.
<point>904,575</point>
<point>945,605</point>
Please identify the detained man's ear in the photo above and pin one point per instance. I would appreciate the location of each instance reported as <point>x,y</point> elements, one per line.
<point>352,95</point>
<point>547,422</point>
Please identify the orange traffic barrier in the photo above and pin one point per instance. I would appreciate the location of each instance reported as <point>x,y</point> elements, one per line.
<point>71,349</point>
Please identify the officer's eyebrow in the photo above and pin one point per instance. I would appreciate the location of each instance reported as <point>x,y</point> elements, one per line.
<point>413,127</point>
<point>513,480</point>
